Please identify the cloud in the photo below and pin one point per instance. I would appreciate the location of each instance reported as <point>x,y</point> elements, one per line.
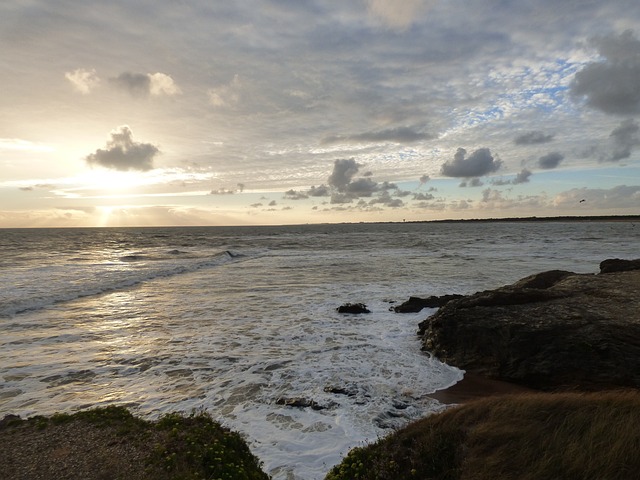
<point>319,191</point>
<point>522,177</point>
<point>145,84</point>
<point>83,80</point>
<point>423,196</point>
<point>550,160</point>
<point>612,85</point>
<point>122,153</point>
<point>387,200</point>
<point>362,187</point>
<point>225,95</point>
<point>398,15</point>
<point>424,179</point>
<point>394,135</point>
<point>533,138</point>
<point>222,191</point>
<point>343,172</point>
<point>479,163</point>
<point>625,138</point>
<point>473,182</point>
<point>162,84</point>
<point>295,195</point>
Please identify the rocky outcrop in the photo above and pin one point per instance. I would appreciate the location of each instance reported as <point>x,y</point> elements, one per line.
<point>353,308</point>
<point>552,331</point>
<point>415,304</point>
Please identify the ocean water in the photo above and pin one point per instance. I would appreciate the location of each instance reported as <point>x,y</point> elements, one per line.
<point>230,320</point>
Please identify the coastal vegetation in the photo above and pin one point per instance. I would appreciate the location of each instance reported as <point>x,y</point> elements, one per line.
<point>111,443</point>
<point>526,437</point>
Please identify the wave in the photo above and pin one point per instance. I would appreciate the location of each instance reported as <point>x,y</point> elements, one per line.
<point>45,286</point>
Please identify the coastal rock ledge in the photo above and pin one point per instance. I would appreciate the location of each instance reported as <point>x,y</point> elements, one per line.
<point>551,331</point>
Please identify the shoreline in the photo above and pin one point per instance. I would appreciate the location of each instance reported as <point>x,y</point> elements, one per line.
<point>474,387</point>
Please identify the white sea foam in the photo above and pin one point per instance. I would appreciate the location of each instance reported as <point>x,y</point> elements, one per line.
<point>182,325</point>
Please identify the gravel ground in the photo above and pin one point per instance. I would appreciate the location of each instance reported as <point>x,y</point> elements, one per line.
<point>75,450</point>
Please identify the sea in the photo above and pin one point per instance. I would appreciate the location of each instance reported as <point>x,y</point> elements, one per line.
<point>241,322</point>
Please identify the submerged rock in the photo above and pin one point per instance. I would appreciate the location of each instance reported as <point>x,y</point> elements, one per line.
<point>353,308</point>
<point>550,331</point>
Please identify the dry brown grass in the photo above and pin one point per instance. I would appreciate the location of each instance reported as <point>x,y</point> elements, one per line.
<point>532,436</point>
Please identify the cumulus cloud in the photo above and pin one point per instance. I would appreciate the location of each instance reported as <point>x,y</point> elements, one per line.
<point>423,196</point>
<point>319,191</point>
<point>162,84</point>
<point>362,187</point>
<point>472,182</point>
<point>343,171</point>
<point>479,163</point>
<point>295,195</point>
<point>612,85</point>
<point>522,177</point>
<point>393,135</point>
<point>145,84</point>
<point>550,160</point>
<point>83,80</point>
<point>387,200</point>
<point>533,138</point>
<point>625,138</point>
<point>398,15</point>
<point>122,153</point>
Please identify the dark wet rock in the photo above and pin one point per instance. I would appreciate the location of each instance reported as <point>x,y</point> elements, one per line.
<point>617,265</point>
<point>300,402</point>
<point>349,391</point>
<point>415,304</point>
<point>552,331</point>
<point>9,419</point>
<point>353,308</point>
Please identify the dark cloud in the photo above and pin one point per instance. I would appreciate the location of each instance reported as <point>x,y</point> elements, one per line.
<point>522,177</point>
<point>625,138</point>
<point>343,172</point>
<point>472,182</point>
<point>533,138</point>
<point>122,153</point>
<point>362,187</point>
<point>137,84</point>
<point>340,198</point>
<point>612,85</point>
<point>424,179</point>
<point>479,163</point>
<point>387,200</point>
<point>319,191</point>
<point>394,135</point>
<point>550,160</point>
<point>295,195</point>
<point>145,84</point>
<point>423,196</point>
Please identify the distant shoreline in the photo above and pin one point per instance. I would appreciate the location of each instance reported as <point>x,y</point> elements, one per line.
<point>565,218</point>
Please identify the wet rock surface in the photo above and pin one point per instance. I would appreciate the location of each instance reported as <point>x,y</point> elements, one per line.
<point>555,330</point>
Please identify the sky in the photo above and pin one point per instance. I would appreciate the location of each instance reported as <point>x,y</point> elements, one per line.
<point>208,112</point>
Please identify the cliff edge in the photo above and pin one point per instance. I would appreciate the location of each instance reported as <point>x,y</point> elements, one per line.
<point>551,331</point>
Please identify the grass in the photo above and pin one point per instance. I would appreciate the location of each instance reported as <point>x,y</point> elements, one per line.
<point>176,447</point>
<point>525,437</point>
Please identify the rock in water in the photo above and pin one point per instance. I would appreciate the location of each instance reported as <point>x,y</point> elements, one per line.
<point>551,331</point>
<point>415,304</point>
<point>353,308</point>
